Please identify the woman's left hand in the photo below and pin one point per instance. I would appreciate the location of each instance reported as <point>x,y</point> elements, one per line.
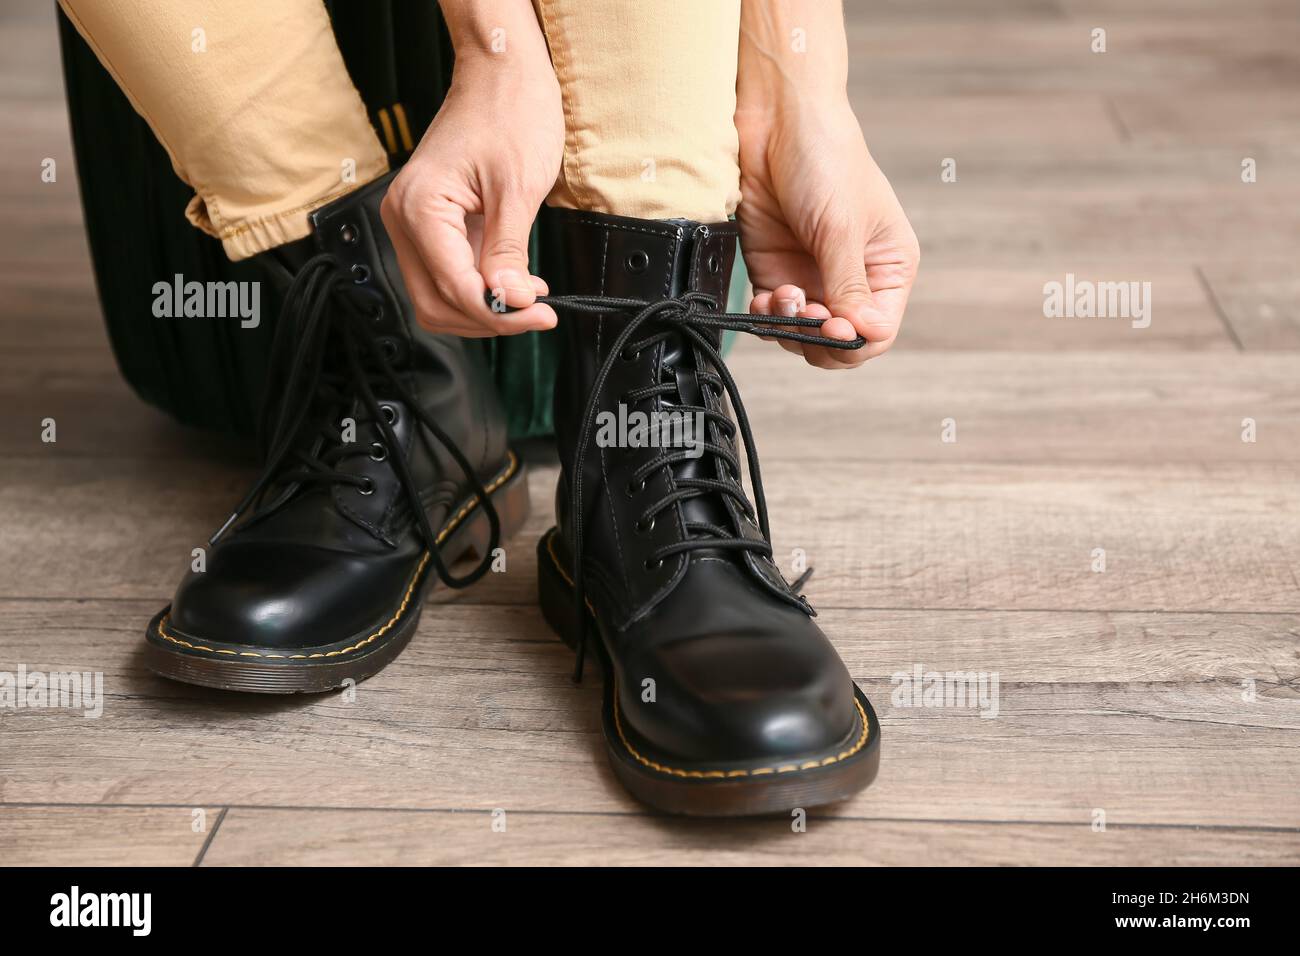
<point>822,233</point>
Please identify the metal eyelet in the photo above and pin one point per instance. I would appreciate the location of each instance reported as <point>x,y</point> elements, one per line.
<point>389,349</point>
<point>349,233</point>
<point>378,452</point>
<point>653,565</point>
<point>635,487</point>
<point>645,527</point>
<point>637,262</point>
<point>714,264</point>
<point>360,273</point>
<point>630,356</point>
<point>377,314</point>
<point>367,489</point>
<point>389,413</point>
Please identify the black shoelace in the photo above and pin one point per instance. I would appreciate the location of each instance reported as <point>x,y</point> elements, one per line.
<point>329,356</point>
<point>691,315</point>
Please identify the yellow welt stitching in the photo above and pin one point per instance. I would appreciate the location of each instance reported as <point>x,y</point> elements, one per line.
<point>450,526</point>
<point>703,774</point>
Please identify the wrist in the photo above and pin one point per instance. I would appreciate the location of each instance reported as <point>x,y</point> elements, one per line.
<point>500,42</point>
<point>793,56</point>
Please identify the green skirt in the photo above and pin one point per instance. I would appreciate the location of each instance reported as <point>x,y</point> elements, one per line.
<point>210,373</point>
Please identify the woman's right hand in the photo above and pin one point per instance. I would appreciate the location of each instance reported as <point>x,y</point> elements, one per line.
<point>460,211</point>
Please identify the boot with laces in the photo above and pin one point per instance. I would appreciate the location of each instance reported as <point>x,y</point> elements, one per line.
<point>386,463</point>
<point>722,695</point>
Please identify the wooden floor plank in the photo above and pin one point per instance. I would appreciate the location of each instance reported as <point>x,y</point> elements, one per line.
<point>1004,233</point>
<point>103,836</point>
<point>1181,55</point>
<point>1008,407</point>
<point>1214,539</point>
<point>900,534</point>
<point>1162,691</point>
<point>1268,116</point>
<point>1261,301</point>
<point>1061,123</point>
<point>1027,407</point>
<point>987,309</point>
<point>1146,717</point>
<point>340,838</point>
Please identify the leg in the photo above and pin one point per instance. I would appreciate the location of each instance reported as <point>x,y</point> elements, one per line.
<point>250,99</point>
<point>649,94</point>
<point>722,695</point>
<point>387,458</point>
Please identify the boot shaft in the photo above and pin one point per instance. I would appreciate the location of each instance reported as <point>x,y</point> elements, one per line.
<point>445,378</point>
<point>621,257</point>
<point>648,514</point>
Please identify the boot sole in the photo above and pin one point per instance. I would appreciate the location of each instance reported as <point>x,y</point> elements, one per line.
<point>737,789</point>
<point>230,665</point>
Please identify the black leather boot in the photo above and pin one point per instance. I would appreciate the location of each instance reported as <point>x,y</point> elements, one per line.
<point>722,695</point>
<point>386,463</point>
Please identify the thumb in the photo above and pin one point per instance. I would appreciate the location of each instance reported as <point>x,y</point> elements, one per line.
<point>503,261</point>
<point>848,293</point>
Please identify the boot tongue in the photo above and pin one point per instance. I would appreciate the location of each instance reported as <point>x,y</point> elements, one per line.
<point>682,363</point>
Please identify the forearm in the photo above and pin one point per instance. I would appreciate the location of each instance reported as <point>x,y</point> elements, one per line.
<point>503,34</point>
<point>793,54</point>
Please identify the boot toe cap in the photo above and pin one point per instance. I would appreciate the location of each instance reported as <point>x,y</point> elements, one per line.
<point>282,597</point>
<point>740,697</point>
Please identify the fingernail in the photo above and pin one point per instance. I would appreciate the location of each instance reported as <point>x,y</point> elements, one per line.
<point>788,307</point>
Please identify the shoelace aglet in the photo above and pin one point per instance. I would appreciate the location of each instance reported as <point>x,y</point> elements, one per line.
<point>223,529</point>
<point>800,581</point>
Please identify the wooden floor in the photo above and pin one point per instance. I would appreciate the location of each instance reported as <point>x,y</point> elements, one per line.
<point>1161,696</point>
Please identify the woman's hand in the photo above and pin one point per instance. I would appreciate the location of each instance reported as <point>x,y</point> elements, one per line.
<point>460,211</point>
<point>822,232</point>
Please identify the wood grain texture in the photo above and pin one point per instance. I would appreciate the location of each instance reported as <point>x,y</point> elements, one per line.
<point>252,837</point>
<point>1180,54</point>
<point>1147,717</point>
<point>985,309</point>
<point>1032,406</point>
<point>103,836</point>
<point>1261,302</point>
<point>924,534</point>
<point>1162,692</point>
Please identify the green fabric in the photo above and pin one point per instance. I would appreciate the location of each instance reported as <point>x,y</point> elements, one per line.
<point>208,373</point>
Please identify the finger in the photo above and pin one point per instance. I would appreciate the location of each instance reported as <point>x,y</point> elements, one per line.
<point>833,327</point>
<point>503,262</point>
<point>818,358</point>
<point>788,300</point>
<point>762,304</point>
<point>847,293</point>
<point>431,312</point>
<point>444,247</point>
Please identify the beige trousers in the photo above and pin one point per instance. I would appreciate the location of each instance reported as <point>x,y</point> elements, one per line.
<point>253,104</point>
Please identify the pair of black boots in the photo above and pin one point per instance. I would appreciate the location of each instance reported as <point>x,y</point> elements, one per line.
<point>388,463</point>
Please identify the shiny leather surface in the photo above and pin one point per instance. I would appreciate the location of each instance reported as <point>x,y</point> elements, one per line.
<point>740,669</point>
<point>327,562</point>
